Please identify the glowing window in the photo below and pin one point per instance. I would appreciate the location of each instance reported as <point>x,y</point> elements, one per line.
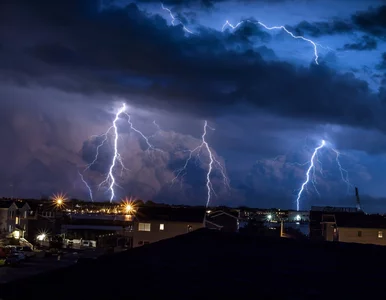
<point>380,234</point>
<point>17,220</point>
<point>161,226</point>
<point>144,227</point>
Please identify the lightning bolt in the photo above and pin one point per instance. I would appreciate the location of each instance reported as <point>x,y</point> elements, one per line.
<point>110,180</point>
<point>343,172</point>
<point>213,163</point>
<point>145,138</point>
<point>234,27</point>
<point>311,167</point>
<point>174,19</point>
<point>281,27</point>
<point>87,186</point>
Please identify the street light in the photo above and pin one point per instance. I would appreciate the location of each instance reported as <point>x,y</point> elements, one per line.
<point>128,206</point>
<point>41,237</point>
<point>59,200</point>
<point>269,217</point>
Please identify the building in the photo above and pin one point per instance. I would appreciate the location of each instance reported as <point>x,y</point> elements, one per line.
<point>152,224</point>
<point>348,225</point>
<point>361,228</point>
<point>104,229</point>
<point>322,218</point>
<point>4,205</point>
<point>227,221</point>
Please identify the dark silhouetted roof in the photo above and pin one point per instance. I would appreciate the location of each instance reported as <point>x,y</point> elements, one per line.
<point>217,213</point>
<point>214,265</point>
<point>361,221</point>
<point>174,214</point>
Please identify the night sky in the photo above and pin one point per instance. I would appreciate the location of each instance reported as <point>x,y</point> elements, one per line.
<point>67,66</point>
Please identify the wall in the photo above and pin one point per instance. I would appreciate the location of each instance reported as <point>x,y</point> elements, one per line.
<point>3,219</point>
<point>171,229</point>
<point>369,236</point>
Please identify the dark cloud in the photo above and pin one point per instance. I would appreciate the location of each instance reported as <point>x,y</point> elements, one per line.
<point>319,29</point>
<point>372,21</point>
<point>194,3</point>
<point>366,43</point>
<point>382,64</point>
<point>172,66</point>
<point>77,48</point>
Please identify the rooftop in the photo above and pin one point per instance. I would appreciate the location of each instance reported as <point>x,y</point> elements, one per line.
<point>173,214</point>
<point>214,265</point>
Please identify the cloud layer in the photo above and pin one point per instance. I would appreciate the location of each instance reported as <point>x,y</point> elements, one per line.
<point>70,60</point>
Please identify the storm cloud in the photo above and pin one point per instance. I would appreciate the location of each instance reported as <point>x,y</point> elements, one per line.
<point>67,64</point>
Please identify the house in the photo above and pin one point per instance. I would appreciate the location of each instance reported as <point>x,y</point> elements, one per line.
<point>222,220</point>
<point>4,205</point>
<point>363,229</point>
<point>25,219</point>
<point>322,221</point>
<point>152,224</point>
<point>348,226</point>
<point>104,229</point>
<point>17,220</point>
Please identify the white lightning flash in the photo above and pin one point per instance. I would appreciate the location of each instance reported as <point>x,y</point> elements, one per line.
<point>233,27</point>
<point>110,179</point>
<point>311,167</point>
<point>281,27</point>
<point>174,19</point>
<point>343,172</point>
<point>213,162</point>
<point>112,133</point>
<point>145,138</point>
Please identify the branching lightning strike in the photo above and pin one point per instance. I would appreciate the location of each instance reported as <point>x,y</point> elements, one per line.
<point>234,27</point>
<point>315,160</point>
<point>110,179</point>
<point>281,27</point>
<point>312,165</point>
<point>174,19</point>
<point>213,162</point>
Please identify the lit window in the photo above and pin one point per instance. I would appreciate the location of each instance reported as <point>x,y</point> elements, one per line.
<point>17,220</point>
<point>161,226</point>
<point>380,234</point>
<point>144,227</point>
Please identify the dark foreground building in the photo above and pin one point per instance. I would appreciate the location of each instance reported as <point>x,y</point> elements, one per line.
<point>208,264</point>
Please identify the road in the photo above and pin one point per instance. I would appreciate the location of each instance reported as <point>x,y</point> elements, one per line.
<point>35,266</point>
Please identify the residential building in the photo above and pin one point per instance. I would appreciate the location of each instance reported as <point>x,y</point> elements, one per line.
<point>152,224</point>
<point>363,229</point>
<point>4,205</point>
<point>322,218</point>
<point>349,226</point>
<point>222,220</point>
<point>104,229</point>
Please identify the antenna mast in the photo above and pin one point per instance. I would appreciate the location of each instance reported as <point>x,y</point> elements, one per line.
<point>357,199</point>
